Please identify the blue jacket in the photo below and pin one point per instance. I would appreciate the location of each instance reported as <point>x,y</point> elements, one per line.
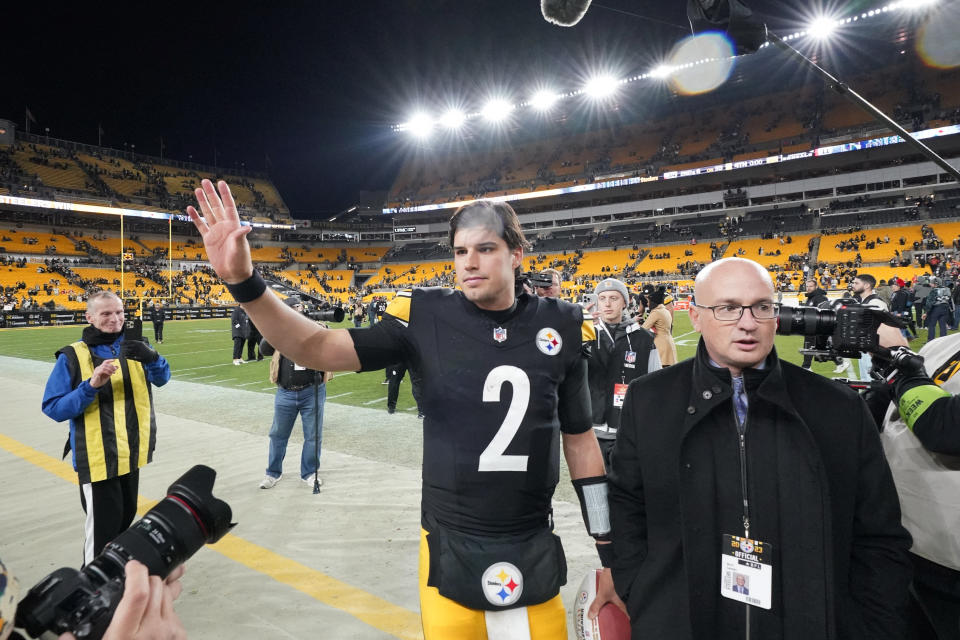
<point>61,401</point>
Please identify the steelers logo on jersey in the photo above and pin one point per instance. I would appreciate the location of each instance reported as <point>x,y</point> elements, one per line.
<point>549,341</point>
<point>502,584</point>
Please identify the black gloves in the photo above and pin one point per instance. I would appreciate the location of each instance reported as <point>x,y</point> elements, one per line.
<point>910,371</point>
<point>140,351</point>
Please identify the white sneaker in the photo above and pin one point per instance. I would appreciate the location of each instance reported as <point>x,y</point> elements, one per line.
<point>309,480</point>
<point>237,361</point>
<point>269,482</point>
<point>844,363</point>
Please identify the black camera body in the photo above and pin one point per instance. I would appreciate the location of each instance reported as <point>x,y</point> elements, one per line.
<point>83,602</point>
<point>845,332</point>
<point>542,280</point>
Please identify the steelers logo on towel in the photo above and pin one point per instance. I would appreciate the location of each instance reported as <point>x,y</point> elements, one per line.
<point>502,584</point>
<point>549,341</point>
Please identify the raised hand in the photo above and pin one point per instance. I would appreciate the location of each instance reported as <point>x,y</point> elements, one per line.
<point>224,238</point>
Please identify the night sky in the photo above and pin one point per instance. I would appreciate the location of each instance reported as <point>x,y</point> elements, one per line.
<point>312,86</point>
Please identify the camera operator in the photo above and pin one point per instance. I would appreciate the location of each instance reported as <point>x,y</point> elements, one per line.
<point>300,391</point>
<point>145,611</point>
<point>862,287</point>
<point>554,289</point>
<point>926,411</point>
<point>102,385</point>
<point>624,351</point>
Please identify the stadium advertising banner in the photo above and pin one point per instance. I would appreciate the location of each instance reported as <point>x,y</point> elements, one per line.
<point>685,173</point>
<point>14,319</point>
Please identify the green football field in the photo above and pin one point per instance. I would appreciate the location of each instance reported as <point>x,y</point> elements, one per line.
<point>201,351</point>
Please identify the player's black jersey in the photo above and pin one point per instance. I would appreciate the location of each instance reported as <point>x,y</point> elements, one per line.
<point>497,390</point>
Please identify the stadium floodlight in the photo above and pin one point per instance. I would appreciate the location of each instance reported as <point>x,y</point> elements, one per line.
<point>661,71</point>
<point>420,125</point>
<point>822,28</point>
<point>453,119</point>
<point>543,100</point>
<point>600,86</point>
<point>496,110</point>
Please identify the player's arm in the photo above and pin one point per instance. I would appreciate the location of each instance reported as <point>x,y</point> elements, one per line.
<point>294,335</point>
<point>582,453</point>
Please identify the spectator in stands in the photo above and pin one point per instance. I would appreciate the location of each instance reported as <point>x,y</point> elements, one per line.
<point>300,391</point>
<point>239,331</point>
<point>554,290</point>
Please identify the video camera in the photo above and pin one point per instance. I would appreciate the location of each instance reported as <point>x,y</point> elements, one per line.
<point>846,331</point>
<point>83,602</point>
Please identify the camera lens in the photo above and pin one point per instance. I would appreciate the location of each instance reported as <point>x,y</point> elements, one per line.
<point>83,601</point>
<point>806,321</point>
<point>171,531</point>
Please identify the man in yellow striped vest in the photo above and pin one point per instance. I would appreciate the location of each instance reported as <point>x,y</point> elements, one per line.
<point>102,385</point>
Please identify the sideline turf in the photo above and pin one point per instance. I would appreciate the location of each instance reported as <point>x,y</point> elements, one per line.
<point>201,351</point>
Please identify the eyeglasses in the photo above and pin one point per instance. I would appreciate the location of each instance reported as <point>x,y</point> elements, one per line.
<point>733,312</point>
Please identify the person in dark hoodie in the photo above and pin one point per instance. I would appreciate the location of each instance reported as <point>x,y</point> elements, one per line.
<point>623,352</point>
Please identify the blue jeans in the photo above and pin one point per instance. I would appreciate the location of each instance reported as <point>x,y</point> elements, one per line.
<point>286,406</point>
<point>937,317</point>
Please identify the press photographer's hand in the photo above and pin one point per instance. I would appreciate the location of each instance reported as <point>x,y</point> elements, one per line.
<point>146,610</point>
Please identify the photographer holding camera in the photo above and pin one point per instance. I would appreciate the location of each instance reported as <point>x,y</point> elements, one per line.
<point>300,391</point>
<point>145,611</point>
<point>102,385</point>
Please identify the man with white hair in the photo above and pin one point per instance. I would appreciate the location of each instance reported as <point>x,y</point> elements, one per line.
<point>102,385</point>
<point>735,462</point>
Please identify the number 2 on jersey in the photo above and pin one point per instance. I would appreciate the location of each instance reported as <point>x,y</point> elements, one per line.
<point>493,457</point>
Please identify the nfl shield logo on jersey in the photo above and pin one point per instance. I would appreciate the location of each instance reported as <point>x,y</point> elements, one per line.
<point>500,334</point>
<point>549,341</point>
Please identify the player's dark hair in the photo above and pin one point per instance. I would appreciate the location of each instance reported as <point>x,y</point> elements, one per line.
<point>507,226</point>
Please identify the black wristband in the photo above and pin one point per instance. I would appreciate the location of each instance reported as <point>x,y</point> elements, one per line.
<point>248,290</point>
<point>605,551</point>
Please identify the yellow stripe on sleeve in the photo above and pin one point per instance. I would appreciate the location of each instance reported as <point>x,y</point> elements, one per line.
<point>399,307</point>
